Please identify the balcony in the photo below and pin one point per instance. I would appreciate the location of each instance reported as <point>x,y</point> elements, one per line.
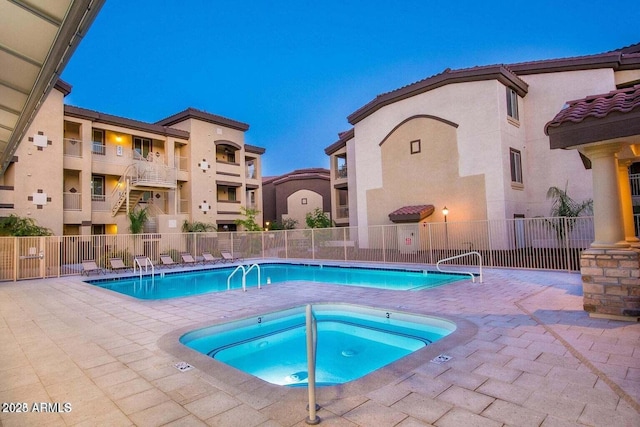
<point>342,212</point>
<point>634,181</point>
<point>72,201</point>
<point>341,172</point>
<point>72,147</point>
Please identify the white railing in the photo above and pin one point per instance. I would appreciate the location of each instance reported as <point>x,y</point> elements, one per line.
<point>72,147</point>
<point>72,201</point>
<point>244,276</point>
<point>451,258</point>
<point>143,261</point>
<point>182,163</point>
<point>532,243</point>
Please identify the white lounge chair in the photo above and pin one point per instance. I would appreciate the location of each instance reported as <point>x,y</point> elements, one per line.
<point>89,266</point>
<point>167,261</point>
<point>207,258</point>
<point>118,265</point>
<point>228,257</point>
<point>187,259</point>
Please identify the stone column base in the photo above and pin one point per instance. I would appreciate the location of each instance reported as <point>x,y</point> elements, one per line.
<point>611,283</point>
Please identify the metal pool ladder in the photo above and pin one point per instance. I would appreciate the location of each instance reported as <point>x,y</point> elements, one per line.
<point>473,277</point>
<point>244,276</point>
<point>146,261</point>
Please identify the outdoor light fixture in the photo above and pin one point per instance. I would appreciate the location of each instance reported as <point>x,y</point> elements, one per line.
<point>266,224</point>
<point>445,212</point>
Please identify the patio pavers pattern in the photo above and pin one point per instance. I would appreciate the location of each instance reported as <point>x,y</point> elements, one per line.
<point>536,359</point>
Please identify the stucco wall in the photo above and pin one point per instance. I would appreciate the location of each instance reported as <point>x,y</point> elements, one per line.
<point>42,170</point>
<point>474,106</point>
<point>430,176</point>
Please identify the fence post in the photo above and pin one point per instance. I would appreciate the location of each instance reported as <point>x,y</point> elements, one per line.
<point>384,249</point>
<point>15,259</point>
<point>344,240</point>
<point>313,244</point>
<point>286,246</point>
<point>566,243</point>
<point>490,239</point>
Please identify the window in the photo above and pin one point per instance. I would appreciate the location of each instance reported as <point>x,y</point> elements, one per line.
<point>232,194</point>
<point>415,146</point>
<point>97,188</point>
<point>512,104</point>
<point>515,158</point>
<point>97,145</point>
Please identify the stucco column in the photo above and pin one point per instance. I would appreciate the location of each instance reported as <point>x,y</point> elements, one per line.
<point>607,207</point>
<point>627,203</point>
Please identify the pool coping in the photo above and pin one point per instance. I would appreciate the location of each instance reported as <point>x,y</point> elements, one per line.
<point>396,371</point>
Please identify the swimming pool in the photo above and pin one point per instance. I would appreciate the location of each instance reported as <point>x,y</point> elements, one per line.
<point>167,284</point>
<point>353,341</point>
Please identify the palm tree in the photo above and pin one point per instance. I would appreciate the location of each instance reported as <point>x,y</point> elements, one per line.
<point>565,207</point>
<point>137,218</point>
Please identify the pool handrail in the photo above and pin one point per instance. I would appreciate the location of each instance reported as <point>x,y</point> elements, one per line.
<point>147,263</point>
<point>312,347</point>
<point>240,267</point>
<point>244,275</point>
<point>473,276</point>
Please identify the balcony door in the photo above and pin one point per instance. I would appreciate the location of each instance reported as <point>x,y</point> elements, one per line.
<point>143,146</point>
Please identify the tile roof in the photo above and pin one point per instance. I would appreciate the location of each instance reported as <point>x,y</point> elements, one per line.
<point>193,113</point>
<point>413,213</point>
<point>620,59</point>
<point>96,116</point>
<point>341,142</point>
<point>309,173</point>
<point>598,106</point>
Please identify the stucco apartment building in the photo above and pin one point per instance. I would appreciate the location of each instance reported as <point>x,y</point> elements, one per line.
<point>295,194</point>
<point>472,140</point>
<point>79,172</point>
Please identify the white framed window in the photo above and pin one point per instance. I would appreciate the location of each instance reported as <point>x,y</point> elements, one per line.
<point>512,104</point>
<point>515,159</point>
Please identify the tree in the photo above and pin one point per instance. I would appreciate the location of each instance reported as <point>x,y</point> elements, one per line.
<point>14,225</point>
<point>249,223</point>
<point>197,227</point>
<point>137,219</point>
<point>565,207</point>
<point>318,219</point>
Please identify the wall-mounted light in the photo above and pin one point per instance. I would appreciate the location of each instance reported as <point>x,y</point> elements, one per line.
<point>118,138</point>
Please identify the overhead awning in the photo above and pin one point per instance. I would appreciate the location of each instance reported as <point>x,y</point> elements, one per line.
<point>229,183</point>
<point>414,213</point>
<point>37,39</point>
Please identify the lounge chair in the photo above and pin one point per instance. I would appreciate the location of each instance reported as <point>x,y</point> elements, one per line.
<point>167,261</point>
<point>207,258</point>
<point>187,259</point>
<point>89,266</point>
<point>228,257</point>
<point>118,265</point>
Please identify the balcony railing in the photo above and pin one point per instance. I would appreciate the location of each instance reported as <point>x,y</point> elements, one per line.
<point>72,147</point>
<point>72,201</point>
<point>182,163</point>
<point>341,172</point>
<point>342,212</point>
<point>634,180</point>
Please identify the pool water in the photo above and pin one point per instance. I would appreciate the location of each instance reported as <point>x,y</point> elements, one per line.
<point>167,284</point>
<point>352,342</point>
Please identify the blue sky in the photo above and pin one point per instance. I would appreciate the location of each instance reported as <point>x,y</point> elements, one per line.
<point>294,70</point>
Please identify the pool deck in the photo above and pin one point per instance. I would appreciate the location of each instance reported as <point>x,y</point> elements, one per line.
<point>525,354</point>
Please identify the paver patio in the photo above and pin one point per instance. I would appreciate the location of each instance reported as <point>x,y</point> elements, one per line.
<point>525,354</point>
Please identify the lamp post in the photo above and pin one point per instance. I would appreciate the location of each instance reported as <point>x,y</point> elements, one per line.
<point>445,212</point>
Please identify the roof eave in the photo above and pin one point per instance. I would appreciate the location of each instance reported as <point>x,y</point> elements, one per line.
<point>499,73</point>
<point>592,129</point>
